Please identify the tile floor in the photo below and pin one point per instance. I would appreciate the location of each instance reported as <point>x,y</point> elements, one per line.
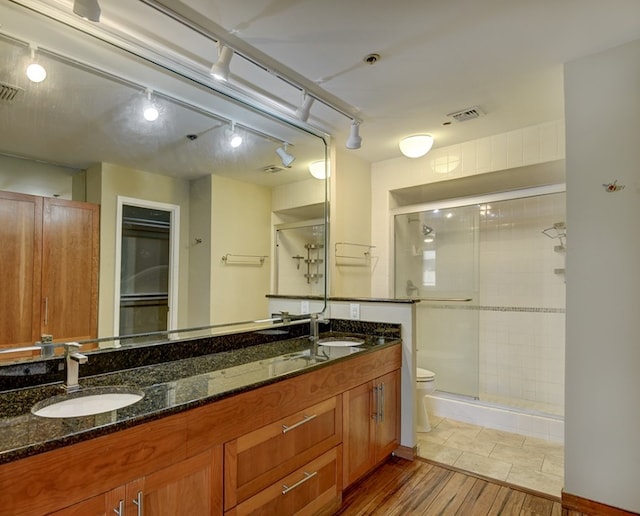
<point>517,459</point>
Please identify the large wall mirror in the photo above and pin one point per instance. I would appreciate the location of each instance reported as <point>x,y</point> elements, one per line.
<point>194,232</point>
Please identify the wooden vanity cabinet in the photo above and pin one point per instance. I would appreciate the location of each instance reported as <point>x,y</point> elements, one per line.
<point>49,266</point>
<point>182,488</point>
<point>277,449</point>
<point>371,424</point>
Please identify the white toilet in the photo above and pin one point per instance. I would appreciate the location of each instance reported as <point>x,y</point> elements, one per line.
<point>425,384</point>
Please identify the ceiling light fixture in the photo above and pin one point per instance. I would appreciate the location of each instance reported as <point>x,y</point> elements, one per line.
<point>35,71</point>
<point>305,108</point>
<point>355,140</point>
<point>285,157</point>
<point>220,70</point>
<point>319,169</point>
<point>416,146</point>
<point>150,112</point>
<point>87,9</point>
<point>235,140</point>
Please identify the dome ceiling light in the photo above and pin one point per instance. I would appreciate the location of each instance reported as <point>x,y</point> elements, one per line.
<point>416,146</point>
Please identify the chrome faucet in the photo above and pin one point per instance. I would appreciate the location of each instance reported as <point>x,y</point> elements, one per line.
<point>314,324</point>
<point>74,358</point>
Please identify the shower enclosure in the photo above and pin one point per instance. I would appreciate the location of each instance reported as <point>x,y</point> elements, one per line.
<point>490,278</point>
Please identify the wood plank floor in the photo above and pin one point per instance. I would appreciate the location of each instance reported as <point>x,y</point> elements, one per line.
<point>401,487</point>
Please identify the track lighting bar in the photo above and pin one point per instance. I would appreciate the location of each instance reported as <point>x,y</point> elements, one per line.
<point>188,21</point>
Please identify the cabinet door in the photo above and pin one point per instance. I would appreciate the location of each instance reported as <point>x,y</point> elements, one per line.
<point>359,431</point>
<point>388,420</point>
<point>108,504</point>
<point>69,269</point>
<point>192,487</point>
<point>20,250</point>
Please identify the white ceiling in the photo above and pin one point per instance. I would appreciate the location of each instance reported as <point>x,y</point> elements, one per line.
<point>437,57</point>
<point>504,56</point>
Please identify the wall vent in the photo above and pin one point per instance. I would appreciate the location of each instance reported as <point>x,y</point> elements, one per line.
<point>8,92</point>
<point>466,114</point>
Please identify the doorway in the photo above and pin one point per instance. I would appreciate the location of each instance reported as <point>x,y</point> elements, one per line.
<point>146,261</point>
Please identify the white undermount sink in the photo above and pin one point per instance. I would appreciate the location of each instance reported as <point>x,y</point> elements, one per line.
<point>340,343</point>
<point>87,402</point>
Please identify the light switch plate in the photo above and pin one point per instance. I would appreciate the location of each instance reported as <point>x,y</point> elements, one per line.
<point>304,307</point>
<point>354,311</point>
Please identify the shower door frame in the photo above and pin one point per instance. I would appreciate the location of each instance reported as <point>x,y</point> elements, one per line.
<point>457,202</point>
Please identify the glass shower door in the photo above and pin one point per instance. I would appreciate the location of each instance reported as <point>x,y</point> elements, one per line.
<point>436,261</point>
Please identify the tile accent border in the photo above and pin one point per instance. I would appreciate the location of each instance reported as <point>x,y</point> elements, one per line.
<point>489,308</point>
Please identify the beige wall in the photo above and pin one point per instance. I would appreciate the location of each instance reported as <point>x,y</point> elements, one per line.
<point>104,183</point>
<point>200,257</point>
<point>350,217</point>
<point>602,420</point>
<point>241,225</point>
<point>35,178</point>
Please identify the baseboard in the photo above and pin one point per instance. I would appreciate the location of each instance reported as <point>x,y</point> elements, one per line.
<point>404,452</point>
<point>584,505</point>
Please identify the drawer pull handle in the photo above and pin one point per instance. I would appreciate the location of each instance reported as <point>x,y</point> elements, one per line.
<point>305,419</point>
<point>120,510</point>
<point>307,476</point>
<point>137,501</point>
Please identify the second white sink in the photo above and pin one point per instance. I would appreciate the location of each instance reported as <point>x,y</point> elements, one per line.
<point>87,402</point>
<point>340,343</point>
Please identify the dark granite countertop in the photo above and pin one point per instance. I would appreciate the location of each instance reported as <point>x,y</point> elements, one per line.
<point>168,387</point>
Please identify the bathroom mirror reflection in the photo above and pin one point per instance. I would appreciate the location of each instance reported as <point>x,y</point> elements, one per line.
<point>188,221</point>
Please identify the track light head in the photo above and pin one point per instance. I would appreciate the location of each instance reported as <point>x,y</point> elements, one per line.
<point>302,113</point>
<point>355,140</point>
<point>150,111</point>
<point>286,158</point>
<point>87,9</point>
<point>35,71</point>
<point>220,70</point>
<point>235,140</point>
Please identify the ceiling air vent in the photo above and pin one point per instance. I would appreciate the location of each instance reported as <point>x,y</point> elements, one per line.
<point>8,92</point>
<point>272,169</point>
<point>466,114</point>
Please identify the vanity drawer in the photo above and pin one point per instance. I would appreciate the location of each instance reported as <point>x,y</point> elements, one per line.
<point>259,458</point>
<point>312,489</point>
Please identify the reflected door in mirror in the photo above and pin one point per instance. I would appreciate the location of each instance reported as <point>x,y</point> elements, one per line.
<point>144,286</point>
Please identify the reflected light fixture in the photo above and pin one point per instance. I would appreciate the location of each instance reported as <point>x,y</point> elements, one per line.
<point>220,70</point>
<point>416,146</point>
<point>35,71</point>
<point>319,169</point>
<point>87,9</point>
<point>302,113</point>
<point>355,140</point>
<point>235,140</point>
<point>285,157</point>
<point>150,111</point>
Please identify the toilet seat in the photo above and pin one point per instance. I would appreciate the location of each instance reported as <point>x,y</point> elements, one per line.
<point>424,375</point>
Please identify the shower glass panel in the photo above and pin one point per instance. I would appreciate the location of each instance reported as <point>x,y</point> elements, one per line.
<point>436,261</point>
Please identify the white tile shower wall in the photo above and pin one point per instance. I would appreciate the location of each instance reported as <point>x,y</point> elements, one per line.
<point>522,352</point>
